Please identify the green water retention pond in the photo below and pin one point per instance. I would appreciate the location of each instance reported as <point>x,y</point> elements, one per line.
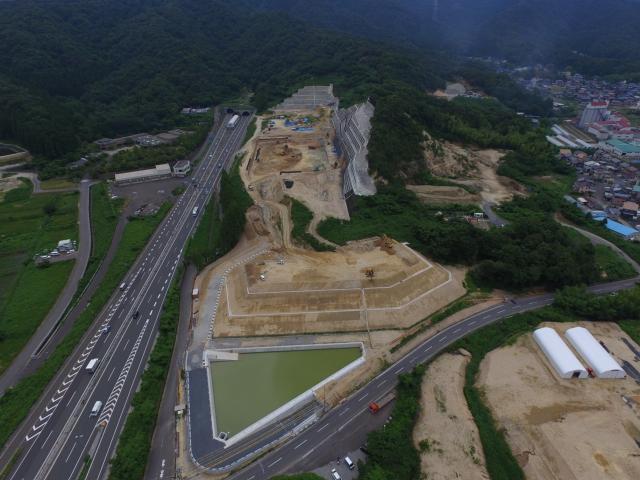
<point>247,389</point>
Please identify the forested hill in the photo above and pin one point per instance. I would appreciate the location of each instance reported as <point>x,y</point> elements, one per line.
<point>592,36</point>
<point>72,71</point>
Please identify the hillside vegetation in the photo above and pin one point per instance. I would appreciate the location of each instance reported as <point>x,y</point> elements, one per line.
<point>72,72</point>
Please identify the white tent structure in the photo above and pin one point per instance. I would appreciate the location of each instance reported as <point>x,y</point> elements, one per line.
<point>603,364</point>
<point>560,356</point>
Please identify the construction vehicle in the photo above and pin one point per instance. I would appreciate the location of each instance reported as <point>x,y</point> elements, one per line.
<point>375,407</point>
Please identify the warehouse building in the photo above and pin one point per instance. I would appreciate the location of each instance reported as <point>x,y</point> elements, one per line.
<point>623,230</point>
<point>137,176</point>
<point>565,363</point>
<point>602,363</point>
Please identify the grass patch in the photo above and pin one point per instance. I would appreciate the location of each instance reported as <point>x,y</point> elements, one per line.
<point>204,247</point>
<point>392,454</point>
<point>33,296</point>
<point>16,402</point>
<point>104,218</point>
<point>179,190</point>
<point>611,265</point>
<point>251,129</point>
<point>135,441</point>
<point>55,183</point>
<point>437,317</point>
<point>301,217</point>
<point>300,476</point>
<point>30,224</point>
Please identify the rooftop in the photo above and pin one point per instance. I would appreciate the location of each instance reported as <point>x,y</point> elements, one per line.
<point>624,147</point>
<point>620,229</point>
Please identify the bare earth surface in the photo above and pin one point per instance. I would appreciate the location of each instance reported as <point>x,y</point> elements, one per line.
<point>565,429</point>
<point>437,194</point>
<point>472,167</point>
<point>298,291</point>
<point>304,159</point>
<point>451,447</point>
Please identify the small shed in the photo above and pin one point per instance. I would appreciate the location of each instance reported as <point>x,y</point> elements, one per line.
<point>602,363</point>
<point>565,363</point>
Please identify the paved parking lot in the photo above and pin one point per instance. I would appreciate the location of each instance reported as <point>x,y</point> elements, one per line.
<point>341,468</point>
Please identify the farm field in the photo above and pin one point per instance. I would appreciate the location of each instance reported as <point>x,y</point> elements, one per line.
<point>30,224</point>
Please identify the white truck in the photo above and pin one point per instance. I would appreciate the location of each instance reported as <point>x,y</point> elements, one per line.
<point>92,365</point>
<point>233,122</point>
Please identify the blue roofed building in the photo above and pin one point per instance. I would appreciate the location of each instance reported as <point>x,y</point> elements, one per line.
<point>622,230</point>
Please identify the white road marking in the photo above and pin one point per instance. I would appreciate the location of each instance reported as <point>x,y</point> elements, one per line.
<point>45,440</point>
<point>71,397</point>
<point>111,374</point>
<point>273,463</point>
<point>363,397</point>
<point>382,383</point>
<point>300,444</point>
<point>323,427</point>
<point>399,370</point>
<point>472,322</point>
<point>70,452</point>
<point>442,339</point>
<point>343,412</point>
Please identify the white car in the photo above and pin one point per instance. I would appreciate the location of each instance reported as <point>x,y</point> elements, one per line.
<point>335,475</point>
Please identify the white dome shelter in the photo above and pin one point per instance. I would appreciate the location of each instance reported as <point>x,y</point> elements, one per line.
<point>603,364</point>
<point>559,354</point>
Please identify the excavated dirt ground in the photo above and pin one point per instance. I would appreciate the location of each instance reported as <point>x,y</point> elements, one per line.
<point>309,292</point>
<point>304,159</point>
<point>451,447</point>
<point>436,194</point>
<point>565,429</point>
<point>472,167</point>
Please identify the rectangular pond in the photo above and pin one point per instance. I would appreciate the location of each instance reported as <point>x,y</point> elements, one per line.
<point>247,389</point>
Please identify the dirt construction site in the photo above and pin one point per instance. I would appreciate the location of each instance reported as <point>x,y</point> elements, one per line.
<point>578,429</point>
<point>268,291</point>
<point>472,168</point>
<point>295,154</point>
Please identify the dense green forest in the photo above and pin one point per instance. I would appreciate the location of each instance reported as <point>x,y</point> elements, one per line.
<point>590,36</point>
<point>71,72</point>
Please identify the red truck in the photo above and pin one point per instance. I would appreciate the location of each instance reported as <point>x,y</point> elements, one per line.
<point>374,407</point>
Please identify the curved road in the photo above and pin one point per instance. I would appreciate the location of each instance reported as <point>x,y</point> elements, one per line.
<point>15,371</point>
<point>292,455</point>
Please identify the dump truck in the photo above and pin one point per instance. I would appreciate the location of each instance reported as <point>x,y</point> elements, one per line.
<point>374,407</point>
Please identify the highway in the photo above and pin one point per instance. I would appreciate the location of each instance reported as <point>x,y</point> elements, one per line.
<point>296,454</point>
<point>59,434</point>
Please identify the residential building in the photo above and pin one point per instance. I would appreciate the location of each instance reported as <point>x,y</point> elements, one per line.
<point>182,168</point>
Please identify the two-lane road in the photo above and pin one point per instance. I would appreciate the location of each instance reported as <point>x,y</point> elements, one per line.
<point>295,454</point>
<point>61,434</point>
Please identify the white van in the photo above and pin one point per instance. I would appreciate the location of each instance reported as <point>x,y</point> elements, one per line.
<point>92,365</point>
<point>194,212</point>
<point>96,409</point>
<point>349,463</point>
